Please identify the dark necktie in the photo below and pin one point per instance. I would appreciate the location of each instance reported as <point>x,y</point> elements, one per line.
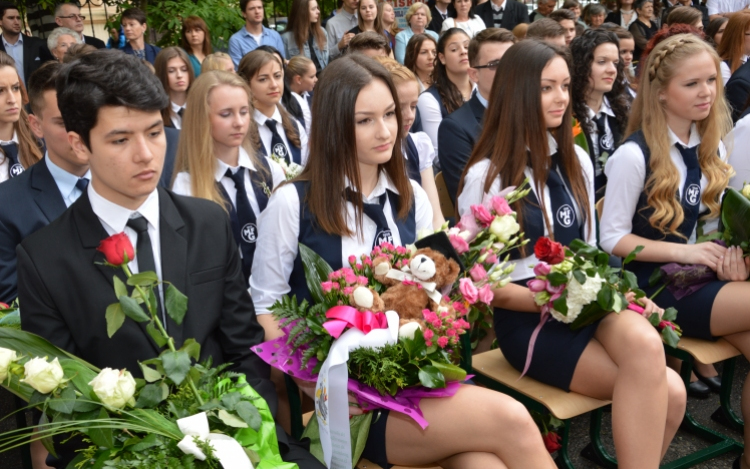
<point>144,254</point>
<point>181,112</point>
<point>375,213</point>
<point>82,184</point>
<point>565,222</point>
<point>605,137</point>
<point>278,147</point>
<point>691,193</point>
<point>244,222</point>
<point>11,153</point>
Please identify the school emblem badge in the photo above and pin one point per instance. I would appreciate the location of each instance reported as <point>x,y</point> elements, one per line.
<point>15,170</point>
<point>249,233</point>
<point>565,216</point>
<point>693,194</point>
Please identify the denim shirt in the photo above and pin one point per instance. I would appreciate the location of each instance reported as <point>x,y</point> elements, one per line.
<point>291,48</point>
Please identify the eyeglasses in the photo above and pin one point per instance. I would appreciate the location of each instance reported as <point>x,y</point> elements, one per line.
<point>73,17</point>
<point>490,65</point>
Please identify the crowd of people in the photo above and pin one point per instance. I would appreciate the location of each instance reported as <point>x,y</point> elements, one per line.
<point>98,139</point>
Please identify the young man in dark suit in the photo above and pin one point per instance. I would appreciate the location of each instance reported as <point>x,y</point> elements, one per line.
<point>502,13</point>
<point>111,103</point>
<point>439,13</point>
<point>459,131</point>
<point>29,52</point>
<point>40,194</point>
<point>68,15</point>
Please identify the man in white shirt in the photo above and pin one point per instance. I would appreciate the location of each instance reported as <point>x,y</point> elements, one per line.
<point>338,27</point>
<point>721,7</point>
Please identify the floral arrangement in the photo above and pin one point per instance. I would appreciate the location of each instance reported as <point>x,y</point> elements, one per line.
<point>291,169</point>
<point>10,316</point>
<point>182,414</point>
<point>579,138</point>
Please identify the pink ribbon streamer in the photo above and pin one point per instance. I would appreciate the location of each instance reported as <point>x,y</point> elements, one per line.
<point>342,317</point>
<point>544,317</point>
<point>636,308</point>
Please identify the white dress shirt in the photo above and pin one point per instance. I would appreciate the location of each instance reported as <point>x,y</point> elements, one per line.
<point>626,172</point>
<point>424,149</point>
<point>336,27</point>
<point>182,180</point>
<point>737,142</point>
<point>266,135</point>
<point>176,119</point>
<point>726,72</point>
<point>279,229</point>
<point>594,134</point>
<point>473,194</point>
<point>65,181</point>
<point>474,26</point>
<point>4,176</point>
<point>717,7</point>
<point>306,111</point>
<point>429,112</point>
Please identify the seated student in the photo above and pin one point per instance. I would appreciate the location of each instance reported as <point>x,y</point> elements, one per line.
<point>133,22</point>
<point>627,49</point>
<point>575,7</point>
<point>220,161</point>
<point>300,78</point>
<point>19,148</point>
<point>599,98</point>
<point>671,172</point>
<point>421,52</point>
<point>288,101</point>
<point>281,135</point>
<point>476,428</point>
<point>217,61</point>
<point>368,19</point>
<point>370,44</point>
<point>38,196</point>
<point>64,289</point>
<point>617,357</point>
<point>174,70</point>
<point>459,131</point>
<point>566,19</point>
<point>624,16</point>
<point>547,30</point>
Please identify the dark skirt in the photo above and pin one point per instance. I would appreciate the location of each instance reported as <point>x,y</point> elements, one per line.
<point>375,446</point>
<point>556,351</point>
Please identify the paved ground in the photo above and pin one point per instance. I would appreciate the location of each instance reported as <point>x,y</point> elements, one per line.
<point>684,443</point>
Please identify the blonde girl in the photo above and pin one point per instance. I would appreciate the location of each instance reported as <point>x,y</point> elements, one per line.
<point>218,61</point>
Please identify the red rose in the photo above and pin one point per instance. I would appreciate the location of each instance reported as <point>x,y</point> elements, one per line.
<point>116,248</point>
<point>4,305</point>
<point>549,251</point>
<point>552,442</point>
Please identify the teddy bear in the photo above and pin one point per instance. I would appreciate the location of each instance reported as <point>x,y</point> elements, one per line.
<point>366,299</point>
<point>409,296</point>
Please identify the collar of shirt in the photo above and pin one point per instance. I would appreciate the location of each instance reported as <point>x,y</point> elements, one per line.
<point>18,42</point>
<point>443,13</point>
<point>384,182</point>
<point>606,109</point>
<point>265,31</point>
<point>243,161</point>
<point>695,138</point>
<point>497,7</point>
<point>551,143</point>
<point>12,140</point>
<point>65,181</point>
<point>176,107</point>
<point>261,118</point>
<point>347,15</point>
<point>481,98</point>
<point>116,217</point>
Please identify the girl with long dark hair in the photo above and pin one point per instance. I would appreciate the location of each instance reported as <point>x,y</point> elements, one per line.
<point>304,35</point>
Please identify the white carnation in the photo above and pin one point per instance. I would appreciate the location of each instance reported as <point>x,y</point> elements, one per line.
<point>114,388</point>
<point>578,297</point>
<point>7,357</point>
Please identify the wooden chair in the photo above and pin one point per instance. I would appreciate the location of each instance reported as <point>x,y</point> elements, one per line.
<point>446,205</point>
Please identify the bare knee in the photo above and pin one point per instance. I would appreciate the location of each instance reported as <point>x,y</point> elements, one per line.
<point>677,397</point>
<point>513,418</point>
<point>643,348</point>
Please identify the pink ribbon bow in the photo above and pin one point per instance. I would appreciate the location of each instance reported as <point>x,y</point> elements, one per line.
<point>342,317</point>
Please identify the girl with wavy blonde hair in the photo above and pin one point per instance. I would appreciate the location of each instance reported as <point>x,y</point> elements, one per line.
<point>670,174</point>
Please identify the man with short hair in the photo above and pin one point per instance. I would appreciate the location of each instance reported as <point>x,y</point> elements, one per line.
<point>502,13</point>
<point>338,27</point>
<point>543,9</point>
<point>439,13</point>
<point>370,44</point>
<point>459,131</point>
<point>670,5</point>
<point>253,34</point>
<point>134,27</point>
<point>68,15</point>
<point>566,19</point>
<point>547,30</point>
<point>29,52</point>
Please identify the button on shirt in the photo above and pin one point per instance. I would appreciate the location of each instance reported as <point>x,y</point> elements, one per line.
<point>336,28</point>
<point>175,116</point>
<point>16,51</point>
<point>5,162</point>
<point>266,135</point>
<point>243,42</point>
<point>65,181</point>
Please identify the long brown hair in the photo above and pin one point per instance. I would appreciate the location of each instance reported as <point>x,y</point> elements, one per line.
<point>160,70</point>
<point>333,157</point>
<point>732,46</point>
<point>195,22</point>
<point>521,140</point>
<point>29,147</point>
<point>376,24</point>
<point>302,28</point>
<point>449,92</point>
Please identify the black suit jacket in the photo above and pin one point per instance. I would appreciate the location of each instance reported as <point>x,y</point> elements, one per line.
<point>737,90</point>
<point>173,138</point>
<point>98,43</point>
<point>35,53</point>
<point>30,202</point>
<point>514,14</point>
<point>436,24</point>
<point>457,134</point>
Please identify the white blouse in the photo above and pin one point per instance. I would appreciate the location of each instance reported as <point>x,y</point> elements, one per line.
<point>277,243</point>
<point>472,27</point>
<point>266,135</point>
<point>424,149</point>
<point>737,143</point>
<point>429,112</point>
<point>726,72</point>
<point>473,193</point>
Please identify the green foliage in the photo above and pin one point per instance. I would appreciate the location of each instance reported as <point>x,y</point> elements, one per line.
<point>307,332</point>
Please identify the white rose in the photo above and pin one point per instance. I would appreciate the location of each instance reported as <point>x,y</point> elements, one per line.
<point>7,357</point>
<point>746,190</point>
<point>504,228</point>
<point>43,376</point>
<point>114,388</point>
<point>407,330</point>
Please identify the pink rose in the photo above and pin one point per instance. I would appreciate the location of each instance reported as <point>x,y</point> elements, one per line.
<point>542,269</point>
<point>469,223</point>
<point>468,290</point>
<point>436,323</point>
<point>483,216</point>
<point>362,280</point>
<point>428,334</point>
<point>491,259</point>
<point>500,206</point>
<point>442,341</point>
<point>555,296</point>
<point>478,273</point>
<point>557,289</point>
<point>348,290</point>
<point>537,285</point>
<point>352,260</point>
<point>326,286</point>
<point>451,332</point>
<point>486,295</point>
<point>459,244</point>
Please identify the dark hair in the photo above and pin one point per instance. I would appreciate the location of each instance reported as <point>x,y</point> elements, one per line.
<point>301,28</point>
<point>105,78</point>
<point>289,102</point>
<point>162,73</point>
<point>375,24</point>
<point>195,22</point>
<point>134,14</point>
<point>570,4</point>
<point>562,14</point>
<point>619,31</point>
<point>452,13</point>
<point>684,15</point>
<point>592,9</point>
<point>43,79</point>
<point>449,93</point>
<point>713,28</point>
<point>5,6</point>
<point>243,4</point>
<point>544,28</point>
<point>77,50</point>
<point>412,50</point>
<point>368,40</point>
<point>515,100</point>
<point>486,36</point>
<point>332,157</point>
<point>582,53</point>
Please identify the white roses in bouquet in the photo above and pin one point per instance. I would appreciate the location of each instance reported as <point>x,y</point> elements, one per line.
<point>7,357</point>
<point>42,375</point>
<point>579,295</point>
<point>114,388</point>
<point>504,228</point>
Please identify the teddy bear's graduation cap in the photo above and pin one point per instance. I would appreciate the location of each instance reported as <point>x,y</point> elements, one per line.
<point>439,242</point>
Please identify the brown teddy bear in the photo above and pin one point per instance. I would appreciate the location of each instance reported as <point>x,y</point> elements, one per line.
<point>366,299</point>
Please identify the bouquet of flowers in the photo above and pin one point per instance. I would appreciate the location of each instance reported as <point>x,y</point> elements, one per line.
<point>291,169</point>
<point>183,414</point>
<point>576,286</point>
<point>10,316</point>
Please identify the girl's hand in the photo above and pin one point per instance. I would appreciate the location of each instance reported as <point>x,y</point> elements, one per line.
<point>708,254</point>
<point>732,266</point>
<point>649,307</point>
<point>354,407</point>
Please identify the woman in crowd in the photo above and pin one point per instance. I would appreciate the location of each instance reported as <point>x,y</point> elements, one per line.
<point>644,27</point>
<point>196,41</point>
<point>617,357</point>
<point>387,16</point>
<point>627,49</point>
<point>417,18</point>
<point>363,159</point>
<point>625,14</point>
<point>451,86</point>
<point>218,61</point>
<point>671,174</point>
<point>598,97</point>
<point>715,30</point>
<point>220,161</point>
<point>735,44</point>
<point>575,7</point>
<point>304,35</point>
<point>281,135</point>
<point>60,40</point>
<point>594,14</point>
<point>685,15</point>
<point>421,52</point>
<point>300,79</point>
<point>368,18</point>
<point>173,68</point>
<point>462,16</point>
<point>288,101</point>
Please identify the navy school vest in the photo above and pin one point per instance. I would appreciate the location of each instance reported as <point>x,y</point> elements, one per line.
<point>296,153</point>
<point>436,94</point>
<point>600,181</point>
<point>412,160</point>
